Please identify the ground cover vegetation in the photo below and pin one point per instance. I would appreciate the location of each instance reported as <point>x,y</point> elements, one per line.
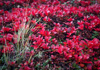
<point>49,35</point>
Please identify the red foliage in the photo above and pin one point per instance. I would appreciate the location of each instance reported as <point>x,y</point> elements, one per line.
<point>64,30</point>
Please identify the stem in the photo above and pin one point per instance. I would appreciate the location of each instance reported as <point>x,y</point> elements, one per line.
<point>30,59</point>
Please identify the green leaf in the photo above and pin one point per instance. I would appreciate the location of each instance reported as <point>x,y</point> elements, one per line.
<point>86,47</point>
<point>1,46</point>
<point>93,37</point>
<point>75,65</point>
<point>2,59</point>
<point>1,36</point>
<point>59,68</point>
<point>31,48</point>
<point>11,43</point>
<point>51,38</point>
<point>95,34</point>
<point>77,32</point>
<point>37,65</point>
<point>60,42</point>
<point>82,51</point>
<point>45,63</point>
<point>66,26</point>
<point>75,15</point>
<point>4,67</point>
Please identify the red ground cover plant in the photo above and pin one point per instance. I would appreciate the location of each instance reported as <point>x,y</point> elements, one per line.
<point>49,35</point>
